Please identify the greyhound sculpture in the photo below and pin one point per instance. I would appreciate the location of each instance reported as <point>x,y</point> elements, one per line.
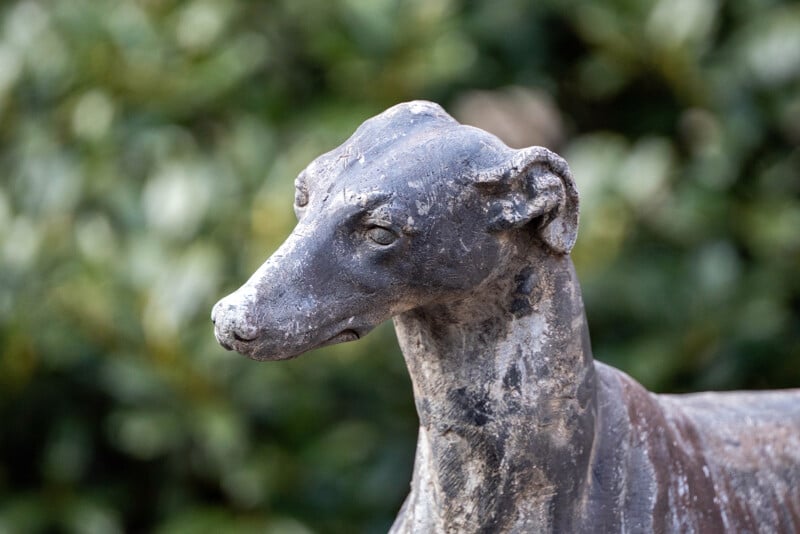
<point>465,242</point>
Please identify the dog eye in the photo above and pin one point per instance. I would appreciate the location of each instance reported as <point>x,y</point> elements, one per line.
<point>300,196</point>
<point>382,236</point>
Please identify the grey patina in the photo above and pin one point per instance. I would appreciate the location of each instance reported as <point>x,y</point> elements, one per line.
<point>465,242</point>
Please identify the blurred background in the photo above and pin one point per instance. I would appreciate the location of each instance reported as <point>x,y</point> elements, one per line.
<point>147,153</point>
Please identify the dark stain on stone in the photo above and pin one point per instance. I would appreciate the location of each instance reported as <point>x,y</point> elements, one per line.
<point>524,284</point>
<point>525,281</point>
<point>511,380</point>
<point>473,408</point>
<point>452,478</point>
<point>520,307</point>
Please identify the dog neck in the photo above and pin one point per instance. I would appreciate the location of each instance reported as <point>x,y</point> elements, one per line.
<point>504,386</point>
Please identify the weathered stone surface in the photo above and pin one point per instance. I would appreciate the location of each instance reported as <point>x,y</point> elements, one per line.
<point>465,242</point>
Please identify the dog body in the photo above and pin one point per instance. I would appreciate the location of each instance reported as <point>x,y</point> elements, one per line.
<point>465,243</point>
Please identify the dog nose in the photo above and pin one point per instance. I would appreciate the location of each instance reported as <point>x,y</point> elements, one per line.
<point>231,324</point>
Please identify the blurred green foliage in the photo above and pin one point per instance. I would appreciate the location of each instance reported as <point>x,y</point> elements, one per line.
<point>147,151</point>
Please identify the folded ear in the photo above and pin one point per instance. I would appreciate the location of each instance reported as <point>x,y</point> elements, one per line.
<point>534,186</point>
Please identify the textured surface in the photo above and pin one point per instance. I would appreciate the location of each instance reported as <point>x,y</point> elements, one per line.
<point>465,243</point>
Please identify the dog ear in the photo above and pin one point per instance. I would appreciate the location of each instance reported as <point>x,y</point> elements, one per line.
<point>535,186</point>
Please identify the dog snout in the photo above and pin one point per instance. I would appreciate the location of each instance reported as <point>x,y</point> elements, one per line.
<point>232,326</point>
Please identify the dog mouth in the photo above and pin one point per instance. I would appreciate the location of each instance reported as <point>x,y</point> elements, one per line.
<point>256,351</point>
<point>342,337</point>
